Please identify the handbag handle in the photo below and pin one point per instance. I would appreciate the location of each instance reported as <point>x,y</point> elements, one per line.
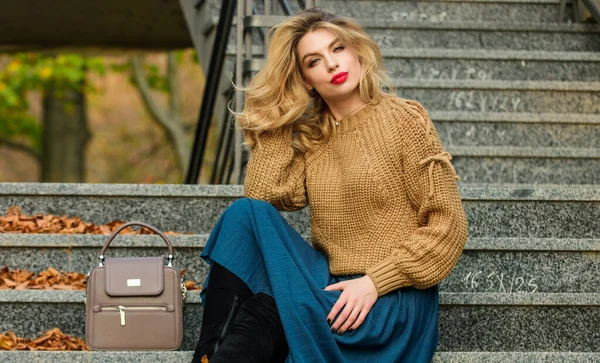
<point>135,223</point>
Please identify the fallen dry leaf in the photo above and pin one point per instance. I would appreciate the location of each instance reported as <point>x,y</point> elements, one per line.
<point>191,285</point>
<point>9,282</point>
<point>52,279</point>
<point>16,222</point>
<point>53,271</point>
<point>53,339</point>
<point>22,286</point>
<point>47,279</point>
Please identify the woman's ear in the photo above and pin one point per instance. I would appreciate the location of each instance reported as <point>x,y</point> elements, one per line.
<point>307,85</point>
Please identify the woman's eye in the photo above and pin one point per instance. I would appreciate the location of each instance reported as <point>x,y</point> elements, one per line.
<point>310,64</point>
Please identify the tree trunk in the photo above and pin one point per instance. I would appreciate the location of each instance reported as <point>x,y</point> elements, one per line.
<point>65,137</point>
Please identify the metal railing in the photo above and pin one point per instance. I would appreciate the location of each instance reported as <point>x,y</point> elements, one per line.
<point>588,4</point>
<point>211,88</point>
<point>230,156</point>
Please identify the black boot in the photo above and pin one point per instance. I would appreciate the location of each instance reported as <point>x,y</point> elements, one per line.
<point>256,335</point>
<point>282,349</point>
<point>225,293</point>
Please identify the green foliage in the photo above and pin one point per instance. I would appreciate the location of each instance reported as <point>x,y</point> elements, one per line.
<point>29,72</point>
<point>155,79</point>
<point>158,80</point>
<point>195,58</point>
<point>120,67</point>
<point>19,126</point>
<point>179,54</point>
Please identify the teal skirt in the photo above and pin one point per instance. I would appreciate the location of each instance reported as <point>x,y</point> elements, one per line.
<point>254,241</point>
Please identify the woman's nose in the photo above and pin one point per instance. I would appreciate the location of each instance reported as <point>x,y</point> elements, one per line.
<point>332,64</point>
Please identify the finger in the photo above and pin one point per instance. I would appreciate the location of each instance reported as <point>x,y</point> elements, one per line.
<point>361,318</point>
<point>336,286</point>
<point>352,318</point>
<point>340,320</point>
<point>339,304</point>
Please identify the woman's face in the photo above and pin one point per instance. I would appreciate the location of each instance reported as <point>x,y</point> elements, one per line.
<point>328,65</point>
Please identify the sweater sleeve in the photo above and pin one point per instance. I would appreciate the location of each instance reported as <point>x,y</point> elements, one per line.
<point>275,173</point>
<point>430,252</point>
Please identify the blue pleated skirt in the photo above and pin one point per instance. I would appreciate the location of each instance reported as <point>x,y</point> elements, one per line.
<point>254,241</point>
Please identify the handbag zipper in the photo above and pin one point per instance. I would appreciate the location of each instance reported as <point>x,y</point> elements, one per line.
<point>121,309</point>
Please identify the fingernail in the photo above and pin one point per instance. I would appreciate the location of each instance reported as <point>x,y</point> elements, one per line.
<point>329,321</point>
<point>350,330</point>
<point>339,333</point>
<point>333,330</point>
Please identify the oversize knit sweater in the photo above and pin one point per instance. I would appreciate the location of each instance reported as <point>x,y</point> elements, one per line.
<point>382,194</point>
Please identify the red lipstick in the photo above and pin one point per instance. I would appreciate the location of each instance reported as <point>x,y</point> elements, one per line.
<point>339,78</point>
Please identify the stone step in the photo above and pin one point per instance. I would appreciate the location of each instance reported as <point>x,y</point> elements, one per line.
<point>483,69</point>
<point>186,356</point>
<point>510,265</point>
<point>473,35</point>
<point>515,357</point>
<point>465,64</point>
<point>477,165</point>
<point>389,33</point>
<point>519,135</point>
<point>97,356</point>
<point>503,96</point>
<point>468,321</point>
<point>525,152</point>
<point>442,11</point>
<point>534,211</point>
<point>540,118</point>
<point>430,64</point>
<point>521,130</point>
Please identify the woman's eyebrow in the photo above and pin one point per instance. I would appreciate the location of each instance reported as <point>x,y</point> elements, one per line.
<point>330,45</point>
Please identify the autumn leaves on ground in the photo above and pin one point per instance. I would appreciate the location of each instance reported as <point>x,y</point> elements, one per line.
<point>53,339</point>
<point>51,279</point>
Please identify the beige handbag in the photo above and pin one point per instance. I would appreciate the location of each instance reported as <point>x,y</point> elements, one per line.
<point>134,303</point>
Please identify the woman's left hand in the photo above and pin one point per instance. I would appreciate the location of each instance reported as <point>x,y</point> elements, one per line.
<point>358,296</point>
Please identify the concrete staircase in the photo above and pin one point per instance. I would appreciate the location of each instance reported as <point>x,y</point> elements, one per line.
<point>515,97</point>
<point>526,283</point>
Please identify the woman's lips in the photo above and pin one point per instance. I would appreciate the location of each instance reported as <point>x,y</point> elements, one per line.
<point>341,78</point>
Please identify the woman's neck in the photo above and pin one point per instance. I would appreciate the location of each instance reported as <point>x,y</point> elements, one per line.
<point>344,107</point>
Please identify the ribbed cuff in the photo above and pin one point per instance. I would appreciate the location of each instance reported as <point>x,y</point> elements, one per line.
<point>386,276</point>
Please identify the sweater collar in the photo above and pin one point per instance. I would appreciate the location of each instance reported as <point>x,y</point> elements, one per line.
<point>362,114</point>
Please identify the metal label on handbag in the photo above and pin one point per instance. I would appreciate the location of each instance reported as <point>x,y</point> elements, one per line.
<point>134,303</point>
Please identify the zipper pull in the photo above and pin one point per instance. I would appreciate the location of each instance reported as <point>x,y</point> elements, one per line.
<point>122,313</point>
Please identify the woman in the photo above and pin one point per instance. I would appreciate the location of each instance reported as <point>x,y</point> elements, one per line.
<point>387,223</point>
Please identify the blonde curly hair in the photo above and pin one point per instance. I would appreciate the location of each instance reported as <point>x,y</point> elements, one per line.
<point>276,99</point>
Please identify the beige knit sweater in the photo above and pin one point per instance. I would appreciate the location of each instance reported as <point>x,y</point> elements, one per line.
<point>382,194</point>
